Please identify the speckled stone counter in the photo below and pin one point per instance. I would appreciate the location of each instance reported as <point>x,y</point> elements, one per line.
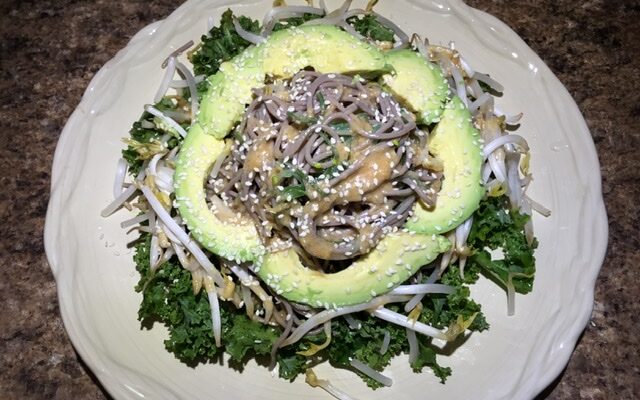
<point>49,51</point>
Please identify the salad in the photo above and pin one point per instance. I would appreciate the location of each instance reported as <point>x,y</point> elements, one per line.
<point>323,187</point>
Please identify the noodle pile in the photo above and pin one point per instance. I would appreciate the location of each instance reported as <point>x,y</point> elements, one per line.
<point>327,162</point>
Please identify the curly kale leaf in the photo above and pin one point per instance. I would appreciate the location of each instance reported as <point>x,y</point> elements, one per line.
<point>247,337</point>
<point>143,135</point>
<point>222,44</point>
<point>443,310</point>
<point>294,21</point>
<point>427,358</point>
<point>496,227</point>
<point>364,344</point>
<point>369,27</point>
<point>290,364</point>
<point>168,298</point>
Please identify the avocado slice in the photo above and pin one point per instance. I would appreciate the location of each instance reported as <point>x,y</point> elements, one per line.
<point>230,91</point>
<point>233,238</point>
<point>220,109</point>
<point>282,55</point>
<point>457,143</point>
<point>417,83</point>
<point>396,258</point>
<point>326,48</point>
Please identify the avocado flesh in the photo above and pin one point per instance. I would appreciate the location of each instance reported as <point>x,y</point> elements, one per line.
<point>326,48</point>
<point>417,83</point>
<point>232,238</point>
<point>220,109</point>
<point>396,258</point>
<point>457,143</point>
<point>230,91</point>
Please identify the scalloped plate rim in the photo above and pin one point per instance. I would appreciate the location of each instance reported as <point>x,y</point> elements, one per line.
<point>53,222</point>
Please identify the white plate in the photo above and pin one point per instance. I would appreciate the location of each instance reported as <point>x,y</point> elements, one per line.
<point>517,358</point>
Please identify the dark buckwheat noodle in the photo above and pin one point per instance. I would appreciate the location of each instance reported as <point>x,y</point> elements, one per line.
<point>328,162</point>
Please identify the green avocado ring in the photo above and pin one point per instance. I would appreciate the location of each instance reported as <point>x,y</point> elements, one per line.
<point>398,255</point>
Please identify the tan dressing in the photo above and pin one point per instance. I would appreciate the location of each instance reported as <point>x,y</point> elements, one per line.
<point>376,169</point>
<point>259,155</point>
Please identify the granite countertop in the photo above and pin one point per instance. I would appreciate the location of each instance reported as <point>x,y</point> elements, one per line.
<point>49,51</point>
